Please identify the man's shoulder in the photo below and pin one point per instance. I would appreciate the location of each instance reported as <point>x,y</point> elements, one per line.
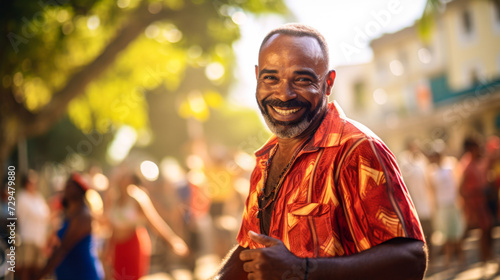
<point>357,139</point>
<point>355,131</point>
<point>350,130</point>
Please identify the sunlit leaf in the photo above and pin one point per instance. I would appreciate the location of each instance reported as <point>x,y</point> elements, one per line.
<point>213,99</point>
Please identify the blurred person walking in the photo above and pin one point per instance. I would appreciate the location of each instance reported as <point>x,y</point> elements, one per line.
<point>75,257</point>
<point>449,217</point>
<point>493,177</point>
<point>129,248</point>
<point>472,190</point>
<point>413,164</point>
<point>33,218</point>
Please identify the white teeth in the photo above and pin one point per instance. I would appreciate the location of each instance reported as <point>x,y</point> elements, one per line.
<point>286,112</point>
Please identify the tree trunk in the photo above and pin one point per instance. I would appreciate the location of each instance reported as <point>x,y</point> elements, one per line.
<point>7,145</point>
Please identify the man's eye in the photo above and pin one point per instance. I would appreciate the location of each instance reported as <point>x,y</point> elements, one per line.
<point>303,81</point>
<point>270,78</point>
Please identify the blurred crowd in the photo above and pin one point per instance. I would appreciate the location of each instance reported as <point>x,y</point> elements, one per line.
<point>455,197</point>
<point>128,222</point>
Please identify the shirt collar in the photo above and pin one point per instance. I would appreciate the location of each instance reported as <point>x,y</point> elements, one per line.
<point>328,133</point>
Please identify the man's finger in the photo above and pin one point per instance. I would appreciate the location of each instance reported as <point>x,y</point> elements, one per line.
<point>251,266</point>
<point>263,239</point>
<point>249,254</point>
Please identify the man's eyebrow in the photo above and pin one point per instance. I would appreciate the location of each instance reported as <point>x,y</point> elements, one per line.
<point>307,73</point>
<point>267,71</point>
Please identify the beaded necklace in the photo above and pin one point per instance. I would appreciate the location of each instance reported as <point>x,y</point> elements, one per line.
<point>263,197</point>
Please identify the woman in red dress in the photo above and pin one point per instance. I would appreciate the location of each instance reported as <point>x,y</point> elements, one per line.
<point>129,248</point>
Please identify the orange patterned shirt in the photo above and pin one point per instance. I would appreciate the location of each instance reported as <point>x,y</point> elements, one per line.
<point>344,194</point>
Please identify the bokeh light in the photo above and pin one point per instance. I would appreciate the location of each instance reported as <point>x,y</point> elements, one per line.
<point>397,67</point>
<point>149,170</point>
<point>123,141</point>
<point>100,182</point>
<point>380,96</point>
<point>214,71</point>
<point>424,55</point>
<point>93,22</point>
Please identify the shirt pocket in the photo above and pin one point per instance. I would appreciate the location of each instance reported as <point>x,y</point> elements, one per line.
<point>309,229</point>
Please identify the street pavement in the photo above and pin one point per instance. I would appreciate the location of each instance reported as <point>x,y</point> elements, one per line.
<point>474,268</point>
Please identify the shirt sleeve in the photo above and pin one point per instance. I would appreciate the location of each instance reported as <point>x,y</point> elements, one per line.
<point>249,218</point>
<point>375,200</point>
<point>242,238</point>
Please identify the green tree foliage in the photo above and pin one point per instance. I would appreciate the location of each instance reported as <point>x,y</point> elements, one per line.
<point>97,60</point>
<point>426,24</point>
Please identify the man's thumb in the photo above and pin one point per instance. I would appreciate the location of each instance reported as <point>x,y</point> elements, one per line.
<point>263,239</point>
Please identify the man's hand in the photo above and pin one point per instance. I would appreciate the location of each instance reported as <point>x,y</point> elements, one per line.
<point>272,262</point>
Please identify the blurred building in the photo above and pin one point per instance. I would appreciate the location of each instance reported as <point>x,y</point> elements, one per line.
<point>447,88</point>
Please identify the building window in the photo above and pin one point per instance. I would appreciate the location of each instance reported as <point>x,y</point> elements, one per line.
<point>496,9</point>
<point>474,77</point>
<point>495,14</point>
<point>359,96</point>
<point>466,30</point>
<point>473,74</point>
<point>467,22</point>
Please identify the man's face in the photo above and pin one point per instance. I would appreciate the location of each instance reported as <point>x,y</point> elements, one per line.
<point>291,84</point>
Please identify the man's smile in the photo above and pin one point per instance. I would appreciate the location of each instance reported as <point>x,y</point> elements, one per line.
<point>286,114</point>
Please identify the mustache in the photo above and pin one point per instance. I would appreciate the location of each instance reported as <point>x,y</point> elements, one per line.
<point>294,103</point>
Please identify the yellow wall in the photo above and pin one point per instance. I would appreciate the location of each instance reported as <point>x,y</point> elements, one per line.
<point>483,49</point>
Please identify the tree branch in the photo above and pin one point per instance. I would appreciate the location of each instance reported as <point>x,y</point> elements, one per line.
<point>40,122</point>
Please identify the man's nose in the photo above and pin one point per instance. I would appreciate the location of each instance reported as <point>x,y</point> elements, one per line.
<point>285,91</point>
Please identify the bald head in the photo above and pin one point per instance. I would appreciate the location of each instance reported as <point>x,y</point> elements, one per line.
<point>288,52</point>
<point>299,30</point>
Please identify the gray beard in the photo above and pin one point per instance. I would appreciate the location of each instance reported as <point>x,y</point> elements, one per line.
<point>287,131</point>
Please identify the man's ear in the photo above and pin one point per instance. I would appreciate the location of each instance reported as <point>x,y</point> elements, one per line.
<point>330,79</point>
<point>256,72</point>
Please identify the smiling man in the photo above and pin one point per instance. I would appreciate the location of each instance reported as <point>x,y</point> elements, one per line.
<point>326,199</point>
